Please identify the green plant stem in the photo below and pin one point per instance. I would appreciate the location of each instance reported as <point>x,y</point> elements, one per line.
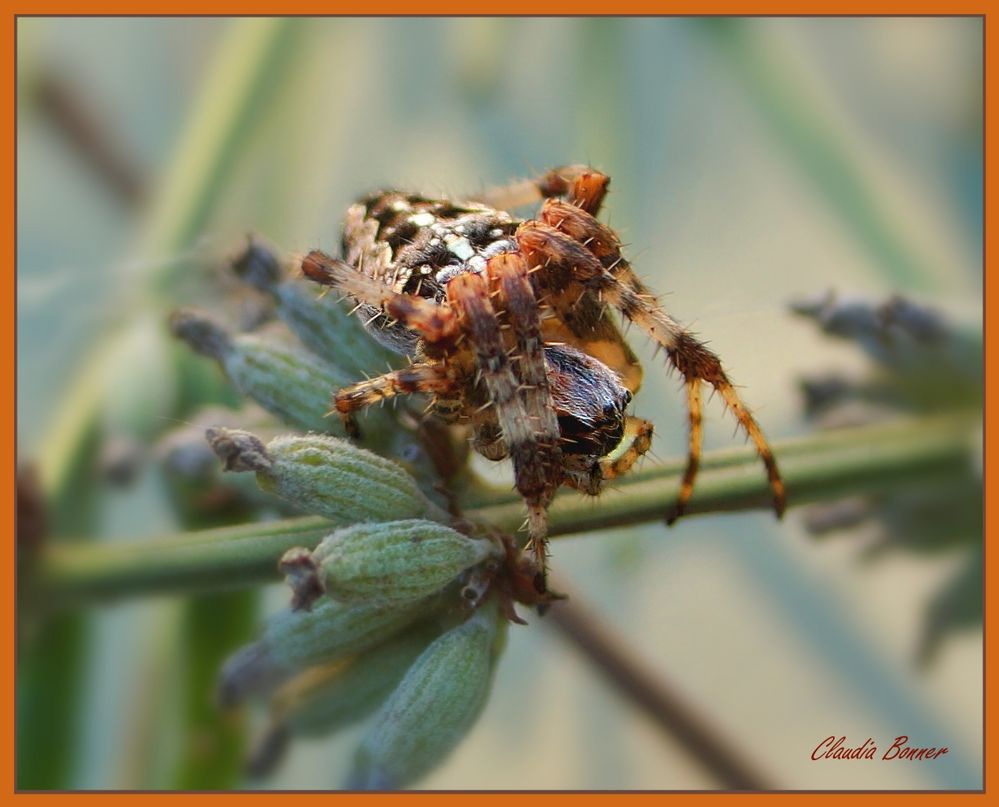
<point>658,699</point>
<point>818,467</point>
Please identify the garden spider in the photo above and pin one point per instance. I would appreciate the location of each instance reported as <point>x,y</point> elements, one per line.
<point>507,325</point>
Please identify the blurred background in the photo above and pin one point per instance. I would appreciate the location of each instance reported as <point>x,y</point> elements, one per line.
<point>754,162</point>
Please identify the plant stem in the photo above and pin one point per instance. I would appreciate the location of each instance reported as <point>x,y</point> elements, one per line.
<point>818,467</point>
<point>649,691</point>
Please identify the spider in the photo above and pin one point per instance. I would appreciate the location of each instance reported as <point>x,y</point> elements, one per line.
<point>508,329</point>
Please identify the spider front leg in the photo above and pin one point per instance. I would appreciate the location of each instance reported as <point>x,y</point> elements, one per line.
<point>434,322</point>
<point>528,426</point>
<point>593,479</point>
<point>583,186</point>
<point>572,238</point>
<point>427,378</point>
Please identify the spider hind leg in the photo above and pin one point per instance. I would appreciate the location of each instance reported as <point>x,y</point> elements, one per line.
<point>580,184</point>
<point>592,479</point>
<point>569,236</point>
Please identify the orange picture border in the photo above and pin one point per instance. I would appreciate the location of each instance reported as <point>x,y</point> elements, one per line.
<point>512,8</point>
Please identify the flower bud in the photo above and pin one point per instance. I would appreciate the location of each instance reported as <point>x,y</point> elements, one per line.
<point>291,384</point>
<point>325,698</point>
<point>391,561</point>
<point>433,707</point>
<point>327,477</point>
<point>329,697</point>
<point>294,640</point>
<point>288,382</point>
<point>324,325</point>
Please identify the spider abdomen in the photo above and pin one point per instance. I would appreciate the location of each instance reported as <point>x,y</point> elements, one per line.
<point>589,401</point>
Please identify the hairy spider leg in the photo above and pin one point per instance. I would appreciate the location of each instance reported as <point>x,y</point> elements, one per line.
<point>640,444</point>
<point>580,184</point>
<point>694,418</point>
<point>508,273</point>
<point>429,378</point>
<point>436,323</point>
<point>557,240</point>
<point>604,244</point>
<point>530,452</point>
<point>593,480</point>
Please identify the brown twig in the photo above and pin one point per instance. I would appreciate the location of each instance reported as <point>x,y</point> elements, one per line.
<point>652,694</point>
<point>64,104</point>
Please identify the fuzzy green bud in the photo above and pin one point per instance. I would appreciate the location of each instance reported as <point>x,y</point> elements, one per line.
<point>432,709</point>
<point>322,323</point>
<point>326,476</point>
<point>329,330</point>
<point>391,561</point>
<point>294,640</point>
<point>288,382</point>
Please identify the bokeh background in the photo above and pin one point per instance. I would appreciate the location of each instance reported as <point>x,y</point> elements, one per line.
<point>754,161</point>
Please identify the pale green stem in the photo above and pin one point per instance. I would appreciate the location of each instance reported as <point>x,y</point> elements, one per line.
<point>822,466</point>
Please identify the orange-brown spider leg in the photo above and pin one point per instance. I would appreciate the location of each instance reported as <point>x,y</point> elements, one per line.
<point>642,442</point>
<point>580,184</point>
<point>591,481</point>
<point>470,294</point>
<point>694,452</point>
<point>598,238</point>
<point>686,351</point>
<point>432,379</point>
<point>619,287</point>
<point>434,322</point>
<point>508,273</point>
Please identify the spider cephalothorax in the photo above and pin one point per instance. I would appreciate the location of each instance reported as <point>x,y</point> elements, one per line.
<point>507,324</point>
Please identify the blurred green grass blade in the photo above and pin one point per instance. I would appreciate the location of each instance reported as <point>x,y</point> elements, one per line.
<point>248,70</point>
<point>598,125</point>
<point>210,750</point>
<point>797,124</point>
<point>245,72</point>
<point>48,704</point>
<point>212,747</point>
<point>53,654</point>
